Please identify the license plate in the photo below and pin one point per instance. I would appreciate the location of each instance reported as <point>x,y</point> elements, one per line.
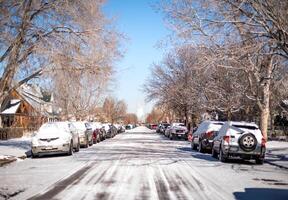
<point>233,149</point>
<point>179,135</point>
<point>48,148</point>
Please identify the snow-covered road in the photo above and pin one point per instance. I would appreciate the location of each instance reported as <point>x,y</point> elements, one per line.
<point>141,164</point>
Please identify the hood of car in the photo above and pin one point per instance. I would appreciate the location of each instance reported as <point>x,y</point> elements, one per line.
<point>52,132</point>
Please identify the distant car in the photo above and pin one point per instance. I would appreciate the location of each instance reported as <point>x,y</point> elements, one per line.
<point>110,129</point>
<point>55,138</point>
<point>204,135</point>
<point>153,126</point>
<point>129,127</point>
<point>239,139</point>
<point>163,127</point>
<point>178,130</point>
<point>85,133</point>
<point>97,131</point>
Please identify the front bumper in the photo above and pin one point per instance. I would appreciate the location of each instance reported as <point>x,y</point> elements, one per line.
<point>50,149</point>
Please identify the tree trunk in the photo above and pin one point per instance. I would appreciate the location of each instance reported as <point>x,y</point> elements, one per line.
<point>265,103</point>
<point>264,119</point>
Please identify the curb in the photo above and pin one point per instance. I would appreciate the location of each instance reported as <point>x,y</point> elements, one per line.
<point>274,164</point>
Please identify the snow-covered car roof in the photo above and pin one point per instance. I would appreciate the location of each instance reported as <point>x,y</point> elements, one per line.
<point>209,126</point>
<point>80,125</point>
<point>95,125</point>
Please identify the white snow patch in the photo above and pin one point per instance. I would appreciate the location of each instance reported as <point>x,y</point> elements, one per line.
<point>13,109</point>
<point>277,144</point>
<point>141,129</point>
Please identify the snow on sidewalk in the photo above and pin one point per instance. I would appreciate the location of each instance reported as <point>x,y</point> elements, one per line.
<point>277,153</point>
<point>13,149</point>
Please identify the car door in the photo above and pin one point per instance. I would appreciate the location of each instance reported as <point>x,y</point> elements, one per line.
<point>74,133</point>
<point>89,132</point>
<point>218,138</point>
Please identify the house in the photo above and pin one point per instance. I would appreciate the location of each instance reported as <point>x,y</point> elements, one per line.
<point>28,107</point>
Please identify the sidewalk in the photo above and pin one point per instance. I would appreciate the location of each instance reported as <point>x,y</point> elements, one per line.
<point>14,149</point>
<point>277,154</point>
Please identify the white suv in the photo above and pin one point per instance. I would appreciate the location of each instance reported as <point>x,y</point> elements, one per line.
<point>239,139</point>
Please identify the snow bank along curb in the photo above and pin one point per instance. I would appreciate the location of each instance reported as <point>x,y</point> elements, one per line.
<point>14,149</point>
<point>6,159</point>
<point>277,154</point>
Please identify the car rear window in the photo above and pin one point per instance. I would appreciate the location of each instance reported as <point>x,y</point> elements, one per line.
<point>246,127</point>
<point>218,123</point>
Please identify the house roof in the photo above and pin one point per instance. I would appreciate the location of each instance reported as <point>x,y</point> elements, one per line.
<point>13,107</point>
<point>31,94</point>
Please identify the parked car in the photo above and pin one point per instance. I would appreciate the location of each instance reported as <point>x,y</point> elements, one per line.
<point>167,131</point>
<point>203,137</point>
<point>178,130</point>
<point>129,127</point>
<point>97,131</point>
<point>239,139</point>
<point>153,126</point>
<point>55,138</point>
<point>110,129</point>
<point>85,133</point>
<point>163,127</point>
<point>122,129</point>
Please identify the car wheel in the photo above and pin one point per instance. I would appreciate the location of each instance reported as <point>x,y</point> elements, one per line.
<point>248,142</point>
<point>34,155</point>
<point>200,148</point>
<point>86,143</point>
<point>259,161</point>
<point>214,154</point>
<point>78,146</point>
<point>222,157</point>
<point>70,152</point>
<point>193,146</point>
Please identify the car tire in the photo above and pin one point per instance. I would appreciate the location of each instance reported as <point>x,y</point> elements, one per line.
<point>78,146</point>
<point>214,153</point>
<point>86,143</point>
<point>259,161</point>
<point>247,142</point>
<point>222,157</point>
<point>200,148</point>
<point>34,155</point>
<point>193,146</point>
<point>70,152</point>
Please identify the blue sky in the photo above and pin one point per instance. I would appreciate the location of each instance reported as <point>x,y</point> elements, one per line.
<point>144,28</point>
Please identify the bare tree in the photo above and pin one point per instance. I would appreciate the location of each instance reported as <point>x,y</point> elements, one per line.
<point>114,110</point>
<point>244,35</point>
<point>130,118</point>
<point>54,36</point>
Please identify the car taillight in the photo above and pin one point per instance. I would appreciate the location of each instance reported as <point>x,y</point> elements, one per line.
<point>263,142</point>
<point>226,138</point>
<point>209,134</point>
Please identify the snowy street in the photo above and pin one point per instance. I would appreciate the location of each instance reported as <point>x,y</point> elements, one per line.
<point>141,164</point>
